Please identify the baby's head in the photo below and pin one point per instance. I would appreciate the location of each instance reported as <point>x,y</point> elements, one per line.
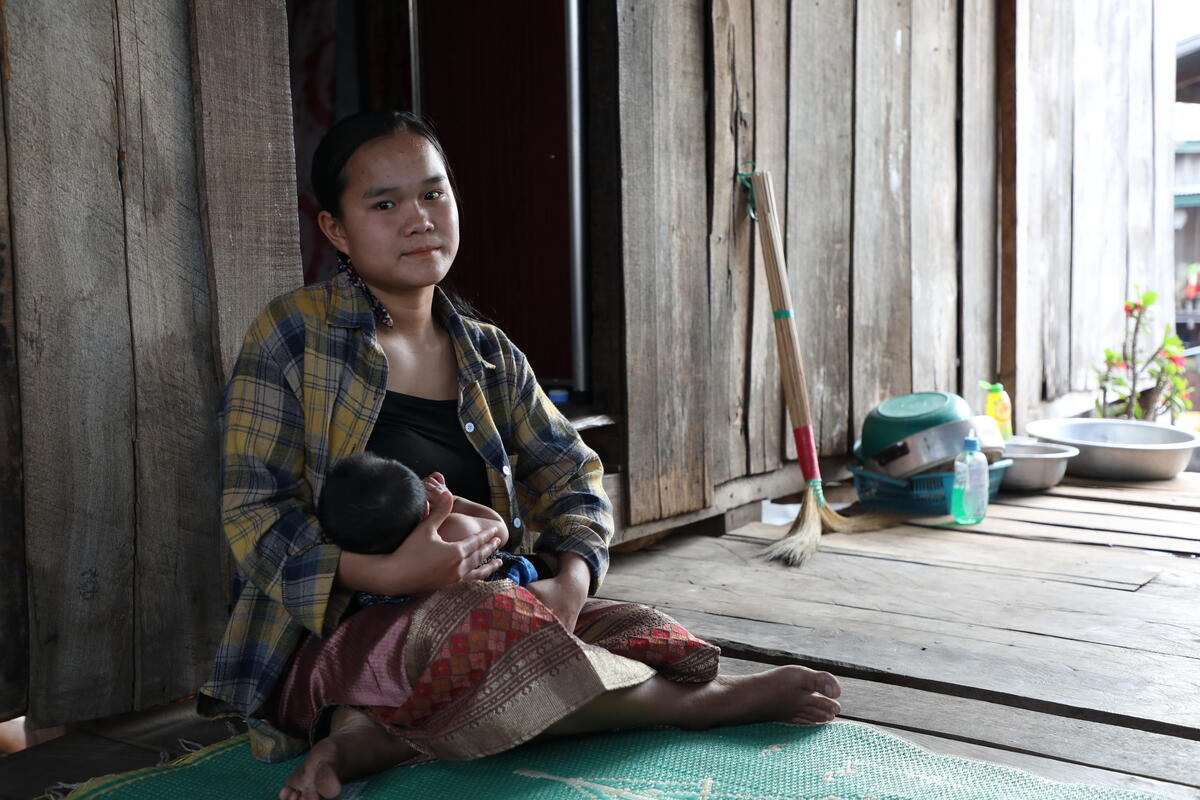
<point>370,503</point>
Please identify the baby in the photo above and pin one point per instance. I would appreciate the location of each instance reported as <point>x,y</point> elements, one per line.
<point>370,504</point>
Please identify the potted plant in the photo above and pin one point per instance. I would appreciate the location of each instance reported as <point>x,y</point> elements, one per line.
<point>1140,383</point>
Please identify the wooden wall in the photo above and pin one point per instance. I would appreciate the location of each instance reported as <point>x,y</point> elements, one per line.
<point>144,192</point>
<point>1090,219</point>
<point>890,244</point>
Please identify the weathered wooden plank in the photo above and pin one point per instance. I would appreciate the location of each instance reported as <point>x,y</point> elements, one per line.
<point>1114,685</point>
<point>882,347</point>
<point>730,239</point>
<point>978,195</point>
<point>819,203</point>
<point>1172,529</point>
<point>1099,277</point>
<point>934,196</point>
<point>1142,266</point>
<point>1164,149</point>
<point>665,259</point>
<point>1051,610</point>
<point>1099,506</point>
<point>766,443</point>
<point>76,365</point>
<point>245,160</point>
<point>178,528</point>
<point>1044,92</point>
<point>14,609</point>
<point>962,549</point>
<point>1109,747</point>
<point>996,525</point>
<point>1007,201</point>
<point>1183,491</point>
<point>820,194</point>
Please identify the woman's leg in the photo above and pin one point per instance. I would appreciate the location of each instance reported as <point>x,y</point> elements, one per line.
<point>783,694</point>
<point>355,747</point>
<point>358,746</point>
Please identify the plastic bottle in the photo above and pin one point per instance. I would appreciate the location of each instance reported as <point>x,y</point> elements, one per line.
<point>999,407</point>
<point>969,498</point>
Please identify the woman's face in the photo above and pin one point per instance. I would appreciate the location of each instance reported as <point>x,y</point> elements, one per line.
<point>399,221</point>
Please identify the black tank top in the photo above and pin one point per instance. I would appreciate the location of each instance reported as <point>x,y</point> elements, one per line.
<point>426,436</point>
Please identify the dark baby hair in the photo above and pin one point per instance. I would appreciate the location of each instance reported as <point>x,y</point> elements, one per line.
<point>370,504</point>
<point>351,133</point>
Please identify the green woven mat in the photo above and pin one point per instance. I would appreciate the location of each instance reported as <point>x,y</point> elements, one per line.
<point>839,761</point>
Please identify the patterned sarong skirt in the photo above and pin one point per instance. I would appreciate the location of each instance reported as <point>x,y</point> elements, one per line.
<point>478,668</point>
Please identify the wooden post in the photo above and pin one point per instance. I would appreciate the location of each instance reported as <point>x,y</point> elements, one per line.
<point>14,611</point>
<point>665,259</point>
<point>179,596</point>
<point>75,357</point>
<point>246,160</point>
<point>883,348</point>
<point>820,191</point>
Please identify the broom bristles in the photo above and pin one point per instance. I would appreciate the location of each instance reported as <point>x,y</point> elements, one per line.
<point>871,521</point>
<point>802,538</point>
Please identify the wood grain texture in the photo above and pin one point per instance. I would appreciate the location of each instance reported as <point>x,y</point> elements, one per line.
<point>74,350</point>
<point>1163,82</point>
<point>179,597</point>
<point>979,300</point>
<point>820,193</point>
<point>1142,266</point>
<point>1066,677</point>
<point>245,161</point>
<point>1039,299</point>
<point>661,75</point>
<point>1099,276</point>
<point>14,609</point>
<point>767,435</point>
<point>934,201</point>
<point>1007,192</point>
<point>734,357</point>
<point>882,351</point>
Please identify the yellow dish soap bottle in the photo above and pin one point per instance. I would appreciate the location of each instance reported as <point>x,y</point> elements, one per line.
<point>999,407</point>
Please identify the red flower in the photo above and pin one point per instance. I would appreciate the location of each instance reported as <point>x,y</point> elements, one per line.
<point>1132,308</point>
<point>1178,361</point>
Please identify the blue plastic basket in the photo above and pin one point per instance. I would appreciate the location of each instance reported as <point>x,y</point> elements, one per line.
<point>921,494</point>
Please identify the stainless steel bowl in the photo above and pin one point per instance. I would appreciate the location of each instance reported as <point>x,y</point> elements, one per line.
<point>1119,449</point>
<point>1036,465</point>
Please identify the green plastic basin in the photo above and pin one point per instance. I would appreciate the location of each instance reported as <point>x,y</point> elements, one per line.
<point>905,415</point>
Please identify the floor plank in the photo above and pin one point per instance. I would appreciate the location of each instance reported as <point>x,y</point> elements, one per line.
<point>1096,506</point>
<point>997,525</point>
<point>1098,521</point>
<point>962,548</point>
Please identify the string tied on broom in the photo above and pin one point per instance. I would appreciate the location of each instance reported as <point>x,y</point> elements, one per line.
<point>816,515</point>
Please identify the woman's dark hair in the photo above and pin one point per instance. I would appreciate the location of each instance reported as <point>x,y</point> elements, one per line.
<point>344,138</point>
<point>370,504</point>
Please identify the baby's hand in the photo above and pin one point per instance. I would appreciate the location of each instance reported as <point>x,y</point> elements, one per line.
<point>435,483</point>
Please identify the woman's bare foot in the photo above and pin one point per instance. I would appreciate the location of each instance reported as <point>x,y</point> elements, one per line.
<point>355,747</point>
<point>784,694</point>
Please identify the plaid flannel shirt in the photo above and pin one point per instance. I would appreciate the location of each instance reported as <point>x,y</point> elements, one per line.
<point>306,391</point>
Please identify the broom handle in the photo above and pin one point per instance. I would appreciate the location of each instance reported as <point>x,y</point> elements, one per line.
<point>795,388</point>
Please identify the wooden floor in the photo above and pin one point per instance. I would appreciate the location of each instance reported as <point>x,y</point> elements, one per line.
<point>1061,635</point>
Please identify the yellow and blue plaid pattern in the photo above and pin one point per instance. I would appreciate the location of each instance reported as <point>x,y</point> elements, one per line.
<point>305,392</point>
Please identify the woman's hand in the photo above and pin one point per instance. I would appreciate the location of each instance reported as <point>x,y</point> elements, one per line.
<point>566,592</point>
<point>424,561</point>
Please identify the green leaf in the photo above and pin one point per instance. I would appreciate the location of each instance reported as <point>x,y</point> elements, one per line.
<point>1149,297</point>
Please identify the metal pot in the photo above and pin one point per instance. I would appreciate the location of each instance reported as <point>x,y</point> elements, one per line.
<point>935,447</point>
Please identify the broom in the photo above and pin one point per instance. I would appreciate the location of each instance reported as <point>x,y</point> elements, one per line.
<point>816,516</point>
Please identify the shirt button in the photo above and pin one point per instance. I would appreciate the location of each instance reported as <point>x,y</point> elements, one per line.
<point>469,427</point>
<point>516,522</point>
<point>506,470</point>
